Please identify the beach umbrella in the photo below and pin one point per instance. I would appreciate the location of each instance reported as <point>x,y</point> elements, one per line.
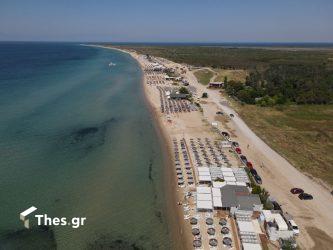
<point>223,222</point>
<point>211,231</point>
<point>225,230</point>
<point>227,241</point>
<point>193,221</point>
<point>209,221</point>
<point>195,231</point>
<point>197,243</point>
<point>213,242</point>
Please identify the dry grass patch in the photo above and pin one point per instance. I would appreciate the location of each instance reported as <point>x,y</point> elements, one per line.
<point>303,134</point>
<point>235,75</point>
<point>203,75</point>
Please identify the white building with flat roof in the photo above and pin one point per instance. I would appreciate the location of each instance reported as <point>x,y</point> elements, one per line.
<point>275,225</point>
<point>204,199</point>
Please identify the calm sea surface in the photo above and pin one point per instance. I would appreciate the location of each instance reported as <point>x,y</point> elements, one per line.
<point>77,140</point>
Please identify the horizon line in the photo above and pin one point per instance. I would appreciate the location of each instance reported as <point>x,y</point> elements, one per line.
<point>174,42</point>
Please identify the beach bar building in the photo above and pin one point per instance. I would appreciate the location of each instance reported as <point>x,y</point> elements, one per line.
<point>236,198</point>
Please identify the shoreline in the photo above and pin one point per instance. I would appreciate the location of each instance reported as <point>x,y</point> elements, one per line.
<point>181,238</point>
<point>176,230</point>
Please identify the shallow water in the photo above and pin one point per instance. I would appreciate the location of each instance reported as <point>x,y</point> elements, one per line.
<point>77,140</point>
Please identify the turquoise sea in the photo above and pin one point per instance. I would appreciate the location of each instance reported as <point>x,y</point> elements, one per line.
<point>77,140</point>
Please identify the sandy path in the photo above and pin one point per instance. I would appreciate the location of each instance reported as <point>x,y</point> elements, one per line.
<point>279,176</point>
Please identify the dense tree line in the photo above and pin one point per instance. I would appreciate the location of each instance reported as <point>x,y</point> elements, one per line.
<point>279,84</point>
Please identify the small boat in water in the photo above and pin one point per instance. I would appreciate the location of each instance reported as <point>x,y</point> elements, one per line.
<point>112,64</point>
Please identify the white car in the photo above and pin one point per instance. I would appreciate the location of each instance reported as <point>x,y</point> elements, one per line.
<point>294,227</point>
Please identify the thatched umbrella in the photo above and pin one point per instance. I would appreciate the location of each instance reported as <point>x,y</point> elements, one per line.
<point>211,231</point>
<point>223,222</point>
<point>225,230</point>
<point>227,241</point>
<point>209,221</point>
<point>195,231</point>
<point>197,243</point>
<point>213,242</point>
<point>193,221</point>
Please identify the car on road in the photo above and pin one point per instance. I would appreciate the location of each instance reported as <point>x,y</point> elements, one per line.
<point>238,151</point>
<point>243,159</point>
<point>232,115</point>
<point>219,113</point>
<point>258,179</point>
<point>235,144</point>
<point>305,196</point>
<point>296,191</point>
<point>294,227</point>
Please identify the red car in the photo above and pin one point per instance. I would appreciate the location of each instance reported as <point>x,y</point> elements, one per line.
<point>249,165</point>
<point>238,151</point>
<point>296,191</point>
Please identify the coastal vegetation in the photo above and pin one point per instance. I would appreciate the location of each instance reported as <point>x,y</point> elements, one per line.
<point>203,75</point>
<point>184,90</point>
<point>223,75</point>
<point>280,84</point>
<point>301,133</point>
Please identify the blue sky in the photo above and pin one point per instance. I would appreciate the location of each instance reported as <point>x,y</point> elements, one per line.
<point>168,20</point>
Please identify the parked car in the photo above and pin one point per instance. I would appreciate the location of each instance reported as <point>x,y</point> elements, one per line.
<point>219,113</point>
<point>253,172</point>
<point>305,196</point>
<point>258,179</point>
<point>294,227</point>
<point>235,144</point>
<point>243,159</point>
<point>225,134</point>
<point>249,165</point>
<point>296,191</point>
<point>231,115</point>
<point>238,151</point>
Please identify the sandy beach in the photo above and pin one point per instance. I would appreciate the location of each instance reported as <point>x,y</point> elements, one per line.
<point>177,126</point>
<point>279,176</point>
